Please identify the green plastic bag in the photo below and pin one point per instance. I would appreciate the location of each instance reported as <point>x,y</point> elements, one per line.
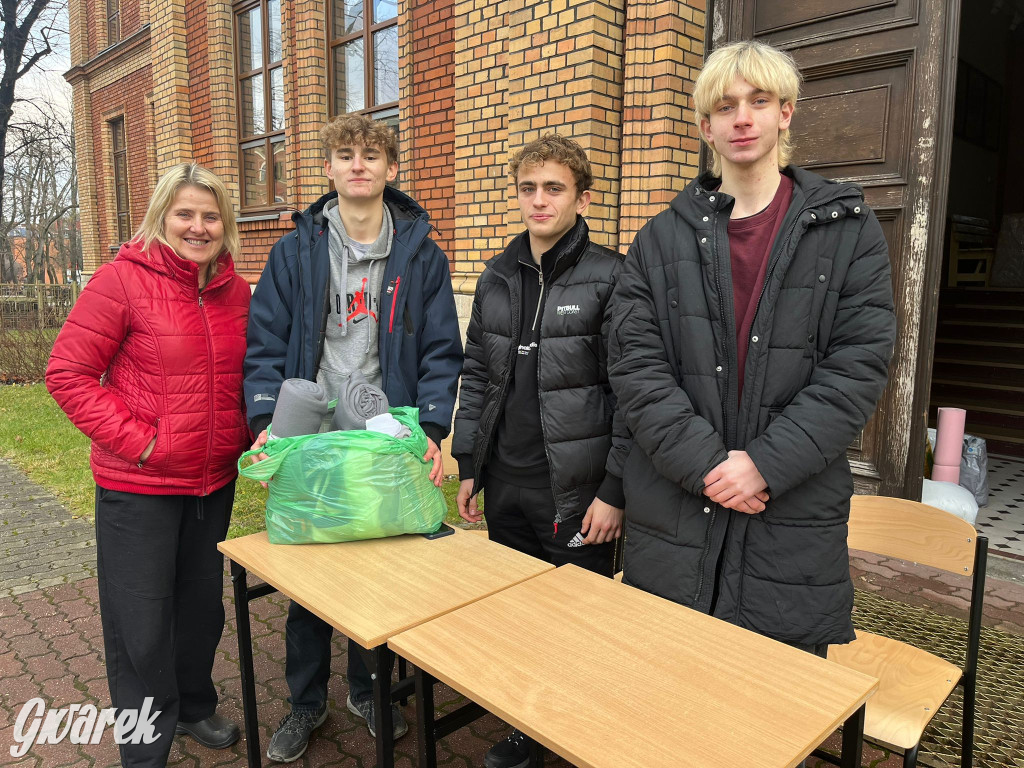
<point>348,485</point>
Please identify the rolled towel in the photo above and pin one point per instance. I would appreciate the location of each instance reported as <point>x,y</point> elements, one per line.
<point>358,401</point>
<point>301,406</point>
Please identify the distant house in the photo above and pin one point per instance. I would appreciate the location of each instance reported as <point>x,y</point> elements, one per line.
<point>16,241</point>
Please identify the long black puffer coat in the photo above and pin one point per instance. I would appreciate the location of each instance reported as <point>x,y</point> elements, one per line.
<point>816,365</point>
<point>576,401</point>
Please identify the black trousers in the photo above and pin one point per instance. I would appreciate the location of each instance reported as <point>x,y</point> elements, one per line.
<point>308,662</point>
<point>161,606</point>
<point>523,519</point>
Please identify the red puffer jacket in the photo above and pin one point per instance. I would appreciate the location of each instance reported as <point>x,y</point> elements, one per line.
<point>172,360</point>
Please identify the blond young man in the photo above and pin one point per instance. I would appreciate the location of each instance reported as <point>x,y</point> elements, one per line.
<point>534,424</point>
<point>358,286</point>
<point>752,329</point>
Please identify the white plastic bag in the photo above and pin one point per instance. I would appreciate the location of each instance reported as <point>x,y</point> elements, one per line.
<point>950,497</point>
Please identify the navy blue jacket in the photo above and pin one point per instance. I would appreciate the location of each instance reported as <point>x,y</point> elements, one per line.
<point>420,346</point>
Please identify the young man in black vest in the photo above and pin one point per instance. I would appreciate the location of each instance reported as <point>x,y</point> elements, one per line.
<point>752,329</point>
<point>534,423</point>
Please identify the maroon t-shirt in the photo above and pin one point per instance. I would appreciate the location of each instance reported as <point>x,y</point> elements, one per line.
<point>750,243</point>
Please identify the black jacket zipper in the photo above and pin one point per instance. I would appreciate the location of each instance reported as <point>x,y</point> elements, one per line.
<point>515,296</point>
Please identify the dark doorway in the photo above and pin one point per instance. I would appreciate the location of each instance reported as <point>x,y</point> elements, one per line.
<point>979,344</point>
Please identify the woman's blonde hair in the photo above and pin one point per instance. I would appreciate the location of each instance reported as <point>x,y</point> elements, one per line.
<point>167,188</point>
<point>761,65</point>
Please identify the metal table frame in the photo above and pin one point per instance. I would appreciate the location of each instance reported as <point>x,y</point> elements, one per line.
<point>380,661</point>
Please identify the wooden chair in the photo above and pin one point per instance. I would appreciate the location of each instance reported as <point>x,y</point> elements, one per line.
<point>913,684</point>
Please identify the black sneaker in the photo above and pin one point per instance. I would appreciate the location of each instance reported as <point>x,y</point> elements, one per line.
<point>364,709</point>
<point>292,735</point>
<point>512,752</point>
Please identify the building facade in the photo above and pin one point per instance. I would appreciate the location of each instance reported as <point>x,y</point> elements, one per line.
<point>244,88</point>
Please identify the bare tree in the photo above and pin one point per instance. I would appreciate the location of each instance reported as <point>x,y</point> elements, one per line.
<point>27,28</point>
<point>40,194</point>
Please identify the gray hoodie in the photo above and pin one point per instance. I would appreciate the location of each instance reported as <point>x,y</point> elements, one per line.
<point>357,270</point>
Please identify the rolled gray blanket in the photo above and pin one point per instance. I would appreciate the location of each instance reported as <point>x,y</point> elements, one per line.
<point>358,400</point>
<point>301,407</point>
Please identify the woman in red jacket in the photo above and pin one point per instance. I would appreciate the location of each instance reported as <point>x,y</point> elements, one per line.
<point>149,366</point>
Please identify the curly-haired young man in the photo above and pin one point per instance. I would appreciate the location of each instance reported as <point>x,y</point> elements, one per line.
<point>534,424</point>
<point>358,286</point>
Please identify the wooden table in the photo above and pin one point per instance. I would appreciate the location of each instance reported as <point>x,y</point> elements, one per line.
<point>369,591</point>
<point>608,676</point>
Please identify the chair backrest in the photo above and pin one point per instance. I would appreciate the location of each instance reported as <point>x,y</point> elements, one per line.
<point>910,530</point>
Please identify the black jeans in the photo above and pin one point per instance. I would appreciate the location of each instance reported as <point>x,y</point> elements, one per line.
<point>308,662</point>
<point>523,519</point>
<point>161,606</point>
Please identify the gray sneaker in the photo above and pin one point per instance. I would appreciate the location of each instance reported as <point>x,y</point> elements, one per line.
<point>364,709</point>
<point>292,735</point>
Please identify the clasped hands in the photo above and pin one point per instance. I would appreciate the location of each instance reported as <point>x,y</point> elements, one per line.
<point>737,484</point>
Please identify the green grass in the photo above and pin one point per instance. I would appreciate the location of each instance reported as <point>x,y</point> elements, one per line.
<point>37,437</point>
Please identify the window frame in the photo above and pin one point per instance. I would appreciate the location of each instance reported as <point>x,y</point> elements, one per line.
<point>113,18</point>
<point>366,35</point>
<point>269,138</point>
<point>122,204</point>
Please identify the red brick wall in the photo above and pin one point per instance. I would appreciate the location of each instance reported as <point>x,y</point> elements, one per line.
<point>126,97</point>
<point>430,128</point>
<point>130,17</point>
<point>199,80</point>
<point>258,237</point>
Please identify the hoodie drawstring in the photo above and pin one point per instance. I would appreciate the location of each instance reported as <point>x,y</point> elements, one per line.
<point>344,287</point>
<point>373,264</point>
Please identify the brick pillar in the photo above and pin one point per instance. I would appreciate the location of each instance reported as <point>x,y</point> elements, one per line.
<point>565,74</point>
<point>306,99</point>
<point>481,136</point>
<point>660,142</point>
<point>170,84</point>
<point>222,154</point>
<point>426,105</point>
<point>82,119</point>
<point>79,32</point>
<point>92,253</point>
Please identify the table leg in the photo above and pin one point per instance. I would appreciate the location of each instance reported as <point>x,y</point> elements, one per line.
<point>853,739</point>
<point>244,632</point>
<point>383,663</point>
<point>426,736</point>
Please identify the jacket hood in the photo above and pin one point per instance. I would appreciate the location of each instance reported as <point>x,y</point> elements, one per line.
<point>162,259</point>
<point>567,251</point>
<point>402,207</point>
<point>411,222</point>
<point>809,191</point>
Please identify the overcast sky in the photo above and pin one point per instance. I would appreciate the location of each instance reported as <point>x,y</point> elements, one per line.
<point>46,80</point>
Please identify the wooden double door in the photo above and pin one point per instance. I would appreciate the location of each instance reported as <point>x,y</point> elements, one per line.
<point>876,108</point>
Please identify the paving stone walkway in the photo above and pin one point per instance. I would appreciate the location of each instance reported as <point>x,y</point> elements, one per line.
<point>41,545</point>
<point>51,646</point>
